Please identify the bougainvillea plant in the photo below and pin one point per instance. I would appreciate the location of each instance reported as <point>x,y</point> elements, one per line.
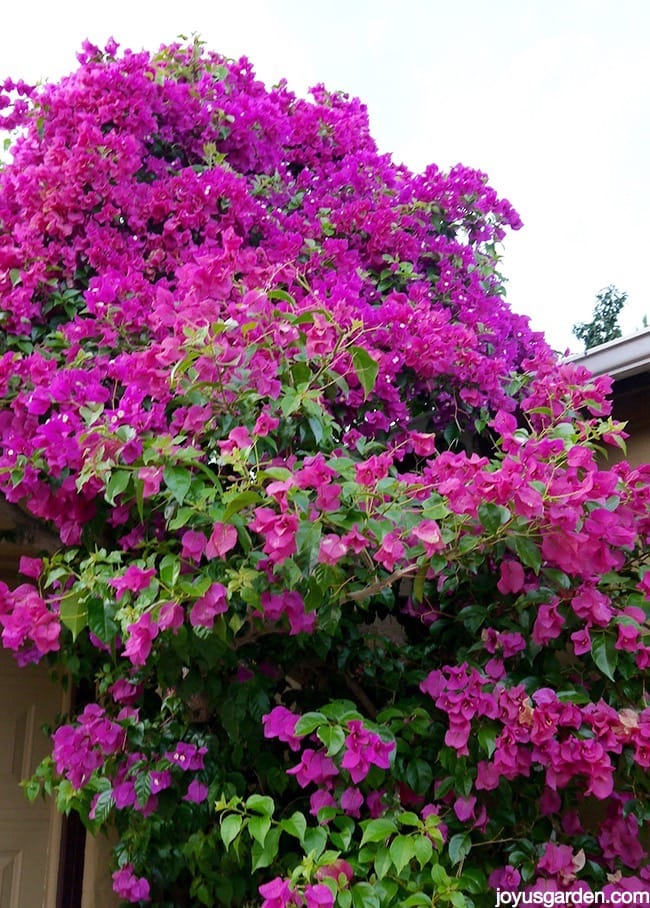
<point>355,605</point>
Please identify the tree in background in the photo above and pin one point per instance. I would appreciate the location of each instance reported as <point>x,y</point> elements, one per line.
<point>360,618</point>
<point>604,325</point>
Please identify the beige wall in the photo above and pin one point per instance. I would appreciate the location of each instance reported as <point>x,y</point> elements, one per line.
<point>97,884</point>
<point>29,833</point>
<point>30,867</point>
<point>632,406</point>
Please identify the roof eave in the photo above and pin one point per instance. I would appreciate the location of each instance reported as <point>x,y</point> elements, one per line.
<point>620,358</point>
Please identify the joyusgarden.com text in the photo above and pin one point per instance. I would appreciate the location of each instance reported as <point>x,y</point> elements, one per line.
<point>505,897</point>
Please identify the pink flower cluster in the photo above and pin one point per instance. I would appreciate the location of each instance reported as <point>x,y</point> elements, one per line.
<point>362,750</point>
<point>153,246</point>
<point>29,627</point>
<point>80,750</point>
<point>279,532</point>
<point>289,604</point>
<point>279,893</point>
<point>161,774</point>
<point>544,731</point>
<point>130,887</point>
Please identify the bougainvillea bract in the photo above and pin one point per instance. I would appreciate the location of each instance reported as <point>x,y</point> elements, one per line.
<point>356,603</point>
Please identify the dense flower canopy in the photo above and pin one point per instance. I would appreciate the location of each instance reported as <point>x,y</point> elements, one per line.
<point>362,615</point>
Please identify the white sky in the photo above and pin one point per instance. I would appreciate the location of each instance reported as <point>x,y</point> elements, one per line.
<point>550,97</point>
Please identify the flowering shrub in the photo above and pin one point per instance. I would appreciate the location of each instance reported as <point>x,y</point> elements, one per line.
<point>363,618</point>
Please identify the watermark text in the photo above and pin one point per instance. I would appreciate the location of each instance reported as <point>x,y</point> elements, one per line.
<point>506,898</point>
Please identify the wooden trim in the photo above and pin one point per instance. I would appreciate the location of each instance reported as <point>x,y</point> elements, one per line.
<point>71,862</point>
<point>72,849</point>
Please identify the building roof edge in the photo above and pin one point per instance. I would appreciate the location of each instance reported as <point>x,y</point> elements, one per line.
<point>620,358</point>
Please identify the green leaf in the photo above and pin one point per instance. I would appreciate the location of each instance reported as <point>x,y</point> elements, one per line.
<point>280,473</point>
<point>308,540</point>
<point>169,571</point>
<point>473,881</point>
<point>182,518</point>
<point>291,401</point>
<point>178,480</point>
<point>91,412</point>
<point>564,430</point>
<point>116,484</point>
<point>605,655</point>
<point>263,856</point>
<point>418,583</point>
<point>365,367</point>
<point>366,854</point>
<point>365,896</point>
<point>295,825</point>
<point>100,619</point>
<point>439,876</point>
<point>281,295</point>
<point>558,577</point>
<point>333,737</point>
<point>473,616</point>
<point>344,899</point>
<point>378,830</point>
<point>383,861</point>
<point>261,804</point>
<point>579,697</point>
<point>138,488</point>
<point>315,840</point>
<point>229,828</point>
<point>387,890</point>
<point>423,850</point>
<point>402,850</point>
<point>346,828</point>
<point>408,818</point>
<point>32,789</point>
<point>341,711</point>
<point>493,516</point>
<point>238,503</point>
<point>435,510</point>
<point>419,776</point>
<point>416,900</point>
<point>142,787</point>
<point>459,847</point>
<point>316,426</point>
<point>65,795</point>
<point>314,594</point>
<point>308,723</point>
<point>467,544</point>
<point>73,612</point>
<point>487,736</point>
<point>103,805</point>
<point>301,374</point>
<point>259,827</point>
<point>527,551</point>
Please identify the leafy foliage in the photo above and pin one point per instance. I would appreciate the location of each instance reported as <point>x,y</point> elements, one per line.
<point>364,620</point>
<point>604,325</point>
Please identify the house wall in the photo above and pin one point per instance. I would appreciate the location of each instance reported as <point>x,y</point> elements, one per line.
<point>97,883</point>
<point>627,361</point>
<point>31,834</point>
<point>632,406</point>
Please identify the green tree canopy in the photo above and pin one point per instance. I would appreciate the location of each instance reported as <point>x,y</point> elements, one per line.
<point>604,325</point>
